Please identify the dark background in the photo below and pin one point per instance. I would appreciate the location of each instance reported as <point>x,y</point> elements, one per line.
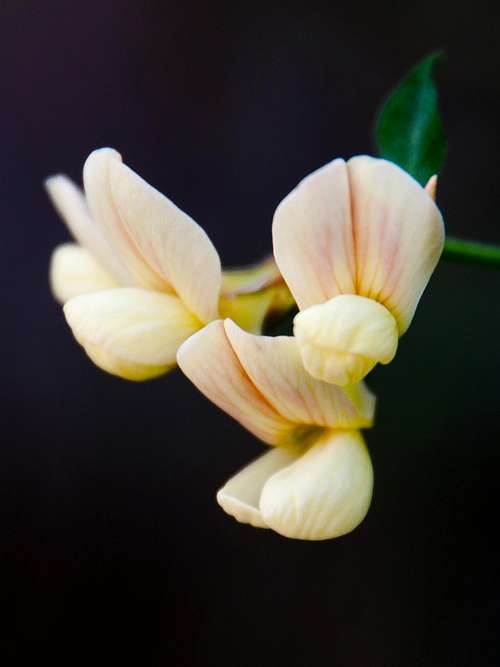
<point>112,544</point>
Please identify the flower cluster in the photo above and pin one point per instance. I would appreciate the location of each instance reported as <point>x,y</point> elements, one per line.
<point>355,244</point>
<point>142,275</point>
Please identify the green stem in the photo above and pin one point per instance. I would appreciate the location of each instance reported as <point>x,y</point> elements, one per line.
<point>459,250</point>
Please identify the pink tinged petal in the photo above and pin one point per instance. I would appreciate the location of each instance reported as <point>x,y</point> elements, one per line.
<point>173,244</point>
<point>74,271</point>
<point>104,210</point>
<point>431,187</point>
<point>313,239</point>
<point>275,367</point>
<point>130,332</point>
<point>325,493</point>
<point>209,361</point>
<point>239,497</point>
<point>70,203</point>
<point>398,232</point>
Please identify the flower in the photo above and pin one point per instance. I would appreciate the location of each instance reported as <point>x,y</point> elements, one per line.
<point>356,243</point>
<point>316,481</point>
<point>143,275</point>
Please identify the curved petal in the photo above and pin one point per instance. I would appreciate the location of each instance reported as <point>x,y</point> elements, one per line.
<point>431,187</point>
<point>275,367</point>
<point>250,279</point>
<point>248,310</point>
<point>96,178</point>
<point>340,341</point>
<point>240,496</point>
<point>173,244</point>
<point>399,235</point>
<point>130,332</point>
<point>209,361</point>
<point>326,493</point>
<point>70,203</point>
<point>364,228</point>
<point>74,271</point>
<point>312,237</point>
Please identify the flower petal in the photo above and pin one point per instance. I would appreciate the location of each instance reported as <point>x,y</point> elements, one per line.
<point>173,244</point>
<point>399,235</point>
<point>326,493</point>
<point>312,237</point>
<point>130,332</point>
<point>248,310</point>
<point>274,366</point>
<point>209,361</point>
<point>364,228</point>
<point>69,201</point>
<point>74,271</point>
<point>96,178</point>
<point>251,278</point>
<point>431,187</point>
<point>340,341</point>
<point>240,496</point>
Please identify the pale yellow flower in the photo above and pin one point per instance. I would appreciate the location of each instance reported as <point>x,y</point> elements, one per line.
<point>356,242</point>
<point>316,481</point>
<point>143,276</point>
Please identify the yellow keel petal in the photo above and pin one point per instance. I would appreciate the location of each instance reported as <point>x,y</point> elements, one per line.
<point>247,310</point>
<point>130,332</point>
<point>250,279</point>
<point>340,341</point>
<point>74,271</point>
<point>326,493</point>
<point>240,496</point>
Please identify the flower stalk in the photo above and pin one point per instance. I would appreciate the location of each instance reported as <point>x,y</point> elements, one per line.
<point>472,252</point>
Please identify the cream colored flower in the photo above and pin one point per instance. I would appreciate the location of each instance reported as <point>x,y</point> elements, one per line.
<point>316,481</point>
<point>356,242</point>
<point>143,276</point>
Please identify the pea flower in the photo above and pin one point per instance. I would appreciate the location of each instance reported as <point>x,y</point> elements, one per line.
<point>356,243</point>
<point>143,276</point>
<point>316,481</point>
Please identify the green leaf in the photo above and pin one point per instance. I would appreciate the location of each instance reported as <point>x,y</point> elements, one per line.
<point>409,131</point>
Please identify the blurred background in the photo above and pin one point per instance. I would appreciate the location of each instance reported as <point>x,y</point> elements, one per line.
<point>112,546</point>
